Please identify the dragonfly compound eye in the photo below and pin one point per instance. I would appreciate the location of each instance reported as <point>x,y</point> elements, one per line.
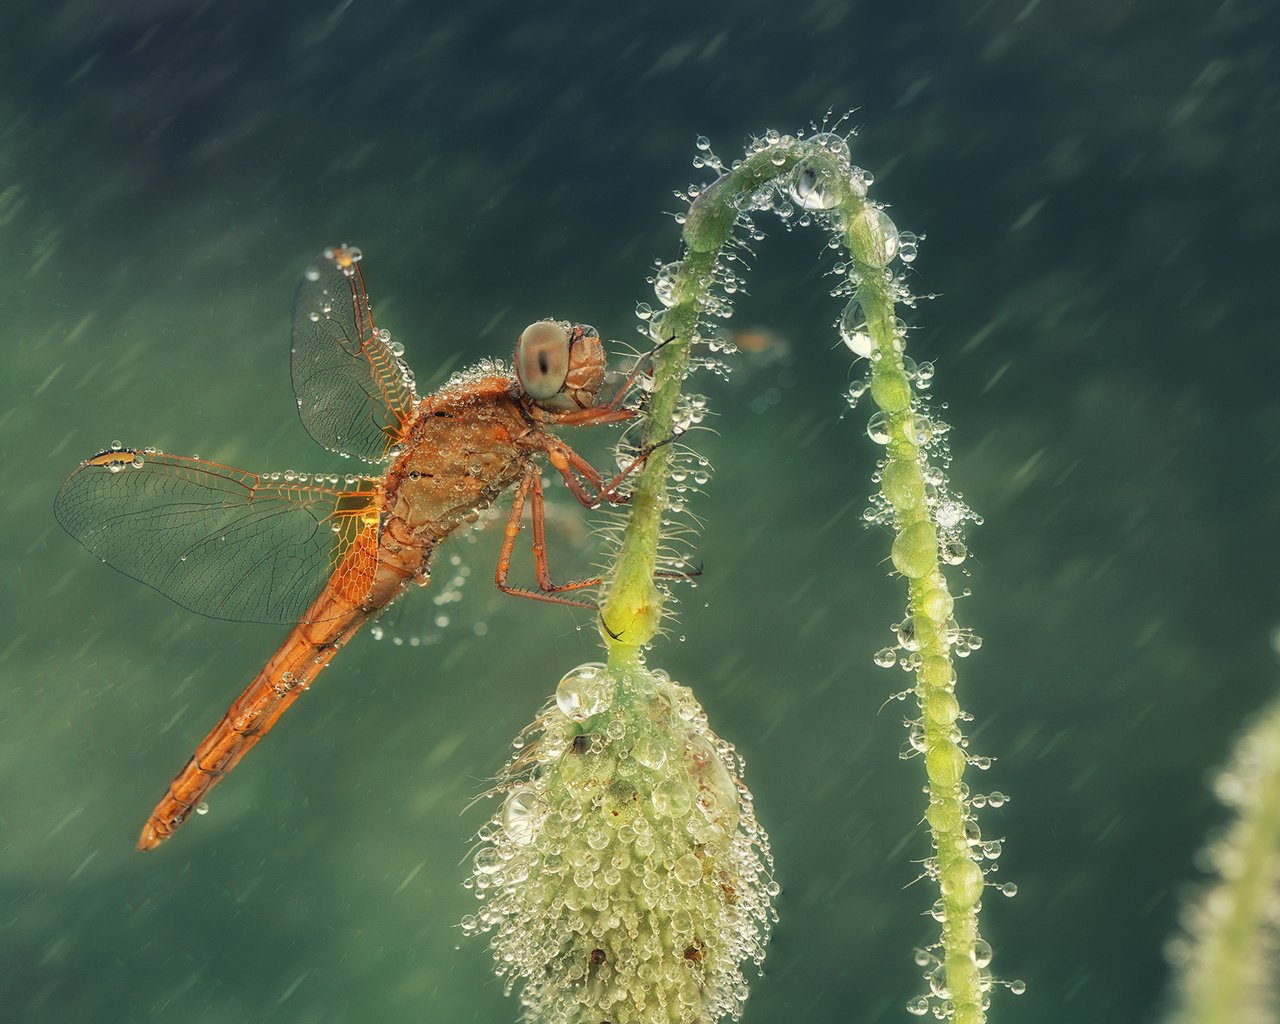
<point>542,359</point>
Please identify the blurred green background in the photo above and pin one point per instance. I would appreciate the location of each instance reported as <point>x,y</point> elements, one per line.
<point>1097,183</point>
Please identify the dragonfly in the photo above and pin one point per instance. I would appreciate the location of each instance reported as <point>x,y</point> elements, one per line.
<point>325,554</point>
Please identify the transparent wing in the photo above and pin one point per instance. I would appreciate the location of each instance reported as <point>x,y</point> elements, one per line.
<point>355,395</point>
<point>221,541</point>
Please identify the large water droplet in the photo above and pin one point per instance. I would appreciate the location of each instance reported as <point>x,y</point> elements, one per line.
<point>521,814</point>
<point>688,870</point>
<point>650,753</point>
<point>854,331</point>
<point>883,233</point>
<point>487,861</point>
<point>813,185</point>
<point>672,797</point>
<point>584,691</point>
<point>664,284</point>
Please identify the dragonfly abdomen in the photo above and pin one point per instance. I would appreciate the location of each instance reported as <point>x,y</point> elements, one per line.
<point>328,624</point>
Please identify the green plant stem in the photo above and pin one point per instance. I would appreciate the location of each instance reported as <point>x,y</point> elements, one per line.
<point>915,555</point>
<point>1229,948</point>
<point>633,606</point>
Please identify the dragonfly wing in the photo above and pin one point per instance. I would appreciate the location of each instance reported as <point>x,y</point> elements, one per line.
<point>220,541</point>
<point>355,395</point>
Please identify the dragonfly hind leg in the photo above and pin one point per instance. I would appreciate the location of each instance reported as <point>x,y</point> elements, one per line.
<point>530,488</point>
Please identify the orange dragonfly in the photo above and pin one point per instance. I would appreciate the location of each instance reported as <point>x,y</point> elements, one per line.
<point>305,550</point>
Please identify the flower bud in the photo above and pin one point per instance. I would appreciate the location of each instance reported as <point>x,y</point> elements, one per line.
<point>625,877</point>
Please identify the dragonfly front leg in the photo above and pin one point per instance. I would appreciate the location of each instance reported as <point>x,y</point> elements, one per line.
<point>574,469</point>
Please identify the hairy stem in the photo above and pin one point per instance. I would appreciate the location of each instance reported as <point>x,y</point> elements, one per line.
<point>814,179</point>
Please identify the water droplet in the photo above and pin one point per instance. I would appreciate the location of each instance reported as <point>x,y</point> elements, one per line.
<point>688,870</point>
<point>672,797</point>
<point>908,246</point>
<point>521,814</point>
<point>487,861</point>
<point>664,284</point>
<point>883,235</point>
<point>202,808</point>
<point>1009,888</point>
<point>116,446</point>
<point>886,657</point>
<point>878,428</point>
<point>1017,986</point>
<point>313,274</point>
<point>584,691</point>
<point>650,753</point>
<point>854,330</point>
<point>918,430</point>
<point>834,144</point>
<point>948,514</point>
<point>812,185</point>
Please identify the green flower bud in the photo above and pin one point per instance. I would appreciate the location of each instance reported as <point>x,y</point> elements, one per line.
<point>625,877</point>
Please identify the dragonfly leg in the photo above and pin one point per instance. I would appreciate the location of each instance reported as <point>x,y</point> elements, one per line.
<point>634,372</point>
<point>530,489</point>
<point>574,469</point>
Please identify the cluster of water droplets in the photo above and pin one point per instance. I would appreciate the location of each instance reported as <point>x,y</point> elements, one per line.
<point>486,367</point>
<point>138,460</point>
<point>625,877</point>
<point>946,507</point>
<point>419,623</point>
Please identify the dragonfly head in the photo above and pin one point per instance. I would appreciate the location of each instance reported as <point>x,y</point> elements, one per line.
<point>560,366</point>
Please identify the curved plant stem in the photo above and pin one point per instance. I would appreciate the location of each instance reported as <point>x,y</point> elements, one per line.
<point>815,174</point>
<point>633,605</point>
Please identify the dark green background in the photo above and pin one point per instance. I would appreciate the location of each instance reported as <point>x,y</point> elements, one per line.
<point>1097,183</point>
